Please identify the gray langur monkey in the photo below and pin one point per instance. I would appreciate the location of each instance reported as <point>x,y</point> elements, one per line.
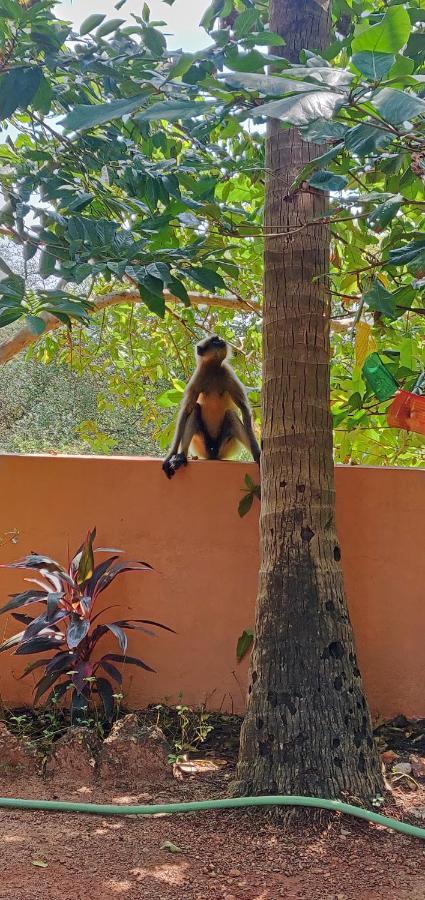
<point>208,423</point>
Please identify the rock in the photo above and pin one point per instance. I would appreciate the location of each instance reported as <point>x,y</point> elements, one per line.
<point>418,765</point>
<point>402,768</point>
<point>134,754</point>
<point>14,754</point>
<point>418,811</point>
<point>73,756</point>
<point>388,757</point>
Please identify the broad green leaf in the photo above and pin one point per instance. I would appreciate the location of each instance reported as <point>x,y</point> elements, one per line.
<point>181,66</point>
<point>263,39</point>
<point>108,27</point>
<point>383,214</point>
<point>245,504</point>
<point>319,132</point>
<point>402,66</point>
<point>300,110</point>
<point>154,40</point>
<point>172,110</point>
<point>362,140</point>
<point>269,85</point>
<point>245,21</point>
<point>398,106</point>
<point>9,9</point>
<point>373,65</point>
<point>252,61</point>
<point>83,117</point>
<point>35,324</point>
<point>244,644</point>
<point>327,181</point>
<point>17,88</point>
<point>321,74</point>
<point>9,314</point>
<point>178,290</point>
<point>402,256</point>
<point>207,278</point>
<point>387,36</point>
<point>378,298</point>
<point>154,303</point>
<point>91,23</point>
<point>12,287</point>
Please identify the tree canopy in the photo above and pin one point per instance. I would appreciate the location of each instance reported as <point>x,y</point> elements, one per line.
<point>128,166</point>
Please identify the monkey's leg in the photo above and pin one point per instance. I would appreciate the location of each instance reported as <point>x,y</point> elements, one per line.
<point>191,428</point>
<point>232,432</point>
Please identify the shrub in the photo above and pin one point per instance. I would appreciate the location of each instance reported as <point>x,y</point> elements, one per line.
<point>69,627</point>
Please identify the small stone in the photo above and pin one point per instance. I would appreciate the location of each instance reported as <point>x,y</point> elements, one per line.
<point>419,812</point>
<point>418,765</point>
<point>402,768</point>
<point>388,757</point>
<point>235,873</point>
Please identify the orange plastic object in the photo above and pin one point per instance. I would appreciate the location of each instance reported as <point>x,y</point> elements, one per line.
<point>407,411</point>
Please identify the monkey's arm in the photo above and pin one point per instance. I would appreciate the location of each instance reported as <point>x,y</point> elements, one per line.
<point>238,395</point>
<point>187,406</point>
<point>174,459</point>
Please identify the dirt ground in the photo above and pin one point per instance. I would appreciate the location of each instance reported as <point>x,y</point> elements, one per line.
<point>229,855</point>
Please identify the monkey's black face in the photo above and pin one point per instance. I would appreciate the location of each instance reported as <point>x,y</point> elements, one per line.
<point>213,347</point>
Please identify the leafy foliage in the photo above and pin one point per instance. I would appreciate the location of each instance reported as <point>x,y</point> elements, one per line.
<point>250,490</point>
<point>68,627</point>
<point>159,183</point>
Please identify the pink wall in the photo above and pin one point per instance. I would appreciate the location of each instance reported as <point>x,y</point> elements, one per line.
<point>206,562</point>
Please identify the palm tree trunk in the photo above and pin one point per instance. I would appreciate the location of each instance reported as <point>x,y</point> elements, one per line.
<point>307,729</point>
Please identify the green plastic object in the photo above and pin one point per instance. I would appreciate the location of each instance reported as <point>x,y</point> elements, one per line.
<point>379,378</point>
<point>109,809</point>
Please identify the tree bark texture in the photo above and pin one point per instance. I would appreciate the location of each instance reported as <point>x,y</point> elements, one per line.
<point>307,729</point>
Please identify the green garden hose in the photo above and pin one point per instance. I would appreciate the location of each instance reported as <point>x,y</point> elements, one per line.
<point>109,809</point>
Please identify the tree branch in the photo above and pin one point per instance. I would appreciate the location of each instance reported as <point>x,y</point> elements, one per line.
<point>25,337</point>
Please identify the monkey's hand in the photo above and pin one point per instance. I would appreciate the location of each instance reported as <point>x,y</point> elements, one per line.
<point>172,463</point>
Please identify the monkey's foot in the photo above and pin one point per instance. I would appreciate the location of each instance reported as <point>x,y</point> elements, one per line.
<point>175,462</point>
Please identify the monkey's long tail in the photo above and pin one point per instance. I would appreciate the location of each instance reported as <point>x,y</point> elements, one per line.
<point>109,809</point>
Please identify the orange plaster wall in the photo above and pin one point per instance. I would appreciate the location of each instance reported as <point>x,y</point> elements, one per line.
<point>206,565</point>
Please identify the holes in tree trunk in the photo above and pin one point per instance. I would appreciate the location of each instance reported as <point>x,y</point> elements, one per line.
<point>307,534</point>
<point>254,677</point>
<point>336,742</point>
<point>337,553</point>
<point>260,724</point>
<point>336,650</point>
<point>362,763</point>
<point>330,606</point>
<point>283,484</point>
<point>338,683</point>
<point>289,703</point>
<point>272,698</point>
<point>264,746</point>
<point>356,672</point>
<point>301,488</point>
<point>358,739</point>
<point>338,761</point>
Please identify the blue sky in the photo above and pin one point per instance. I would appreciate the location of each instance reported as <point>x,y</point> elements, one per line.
<point>182,18</point>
